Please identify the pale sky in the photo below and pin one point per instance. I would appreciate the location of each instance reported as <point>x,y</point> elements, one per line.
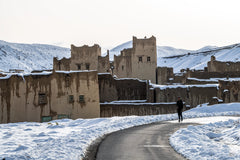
<point>188,24</point>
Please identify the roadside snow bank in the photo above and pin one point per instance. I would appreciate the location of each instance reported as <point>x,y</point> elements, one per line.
<point>220,140</point>
<point>69,139</point>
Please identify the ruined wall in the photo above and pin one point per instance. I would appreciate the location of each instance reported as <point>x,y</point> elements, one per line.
<point>164,74</point>
<point>103,64</point>
<point>218,66</point>
<point>84,57</point>
<point>207,75</point>
<point>144,59</point>
<point>113,89</point>
<point>192,95</point>
<point>123,64</point>
<point>63,64</point>
<point>51,96</point>
<point>229,91</point>
<point>110,110</point>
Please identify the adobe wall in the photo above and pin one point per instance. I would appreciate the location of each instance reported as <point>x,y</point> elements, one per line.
<point>207,75</point>
<point>199,81</point>
<point>192,95</point>
<point>103,64</point>
<point>37,96</point>
<point>83,56</point>
<point>229,91</point>
<point>144,69</point>
<point>218,66</point>
<point>113,89</point>
<point>63,64</point>
<point>111,110</point>
<point>123,64</point>
<point>164,74</point>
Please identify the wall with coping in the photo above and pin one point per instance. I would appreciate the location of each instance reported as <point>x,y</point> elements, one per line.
<point>35,96</point>
<point>139,109</point>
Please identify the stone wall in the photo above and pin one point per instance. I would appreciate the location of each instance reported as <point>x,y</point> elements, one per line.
<point>218,66</point>
<point>208,75</point>
<point>85,57</point>
<point>103,64</point>
<point>63,64</point>
<point>164,74</point>
<point>142,109</point>
<point>192,95</point>
<point>229,91</point>
<point>113,89</point>
<point>37,97</point>
<point>123,64</point>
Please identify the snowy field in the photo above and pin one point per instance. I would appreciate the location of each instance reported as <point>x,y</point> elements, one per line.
<point>69,139</point>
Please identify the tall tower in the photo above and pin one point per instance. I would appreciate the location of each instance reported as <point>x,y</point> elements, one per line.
<point>144,58</point>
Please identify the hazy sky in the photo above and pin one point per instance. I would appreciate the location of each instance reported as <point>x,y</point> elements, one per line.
<point>189,24</point>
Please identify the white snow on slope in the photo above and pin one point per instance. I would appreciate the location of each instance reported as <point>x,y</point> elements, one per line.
<point>199,60</point>
<point>29,56</point>
<point>69,139</point>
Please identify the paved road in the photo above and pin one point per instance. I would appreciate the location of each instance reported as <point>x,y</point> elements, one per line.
<point>148,142</point>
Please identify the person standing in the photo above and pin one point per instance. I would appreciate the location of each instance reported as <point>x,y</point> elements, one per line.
<point>179,109</point>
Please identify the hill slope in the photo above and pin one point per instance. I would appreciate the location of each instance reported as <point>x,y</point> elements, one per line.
<point>29,56</point>
<point>198,60</point>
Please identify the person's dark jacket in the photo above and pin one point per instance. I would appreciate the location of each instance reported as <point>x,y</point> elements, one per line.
<point>179,105</point>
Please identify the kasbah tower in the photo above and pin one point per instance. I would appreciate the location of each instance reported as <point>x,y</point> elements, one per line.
<point>139,61</point>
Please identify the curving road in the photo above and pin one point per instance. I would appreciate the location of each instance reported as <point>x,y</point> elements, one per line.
<point>147,142</point>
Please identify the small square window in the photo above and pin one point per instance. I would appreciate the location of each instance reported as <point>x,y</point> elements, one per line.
<point>79,66</point>
<point>148,59</point>
<point>87,66</point>
<point>70,99</point>
<point>42,99</point>
<point>140,59</point>
<point>81,99</point>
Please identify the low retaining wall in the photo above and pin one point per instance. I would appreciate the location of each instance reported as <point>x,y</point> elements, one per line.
<point>139,109</point>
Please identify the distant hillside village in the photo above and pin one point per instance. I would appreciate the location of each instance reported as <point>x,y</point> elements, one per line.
<point>88,85</point>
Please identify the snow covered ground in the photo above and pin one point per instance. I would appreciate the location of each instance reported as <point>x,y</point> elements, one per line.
<point>69,139</point>
<point>219,140</point>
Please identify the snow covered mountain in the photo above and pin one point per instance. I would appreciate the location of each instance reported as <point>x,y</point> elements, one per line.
<point>198,59</point>
<point>29,56</point>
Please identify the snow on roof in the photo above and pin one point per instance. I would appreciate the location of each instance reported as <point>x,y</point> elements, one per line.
<point>215,79</point>
<point>162,87</point>
<point>44,73</point>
